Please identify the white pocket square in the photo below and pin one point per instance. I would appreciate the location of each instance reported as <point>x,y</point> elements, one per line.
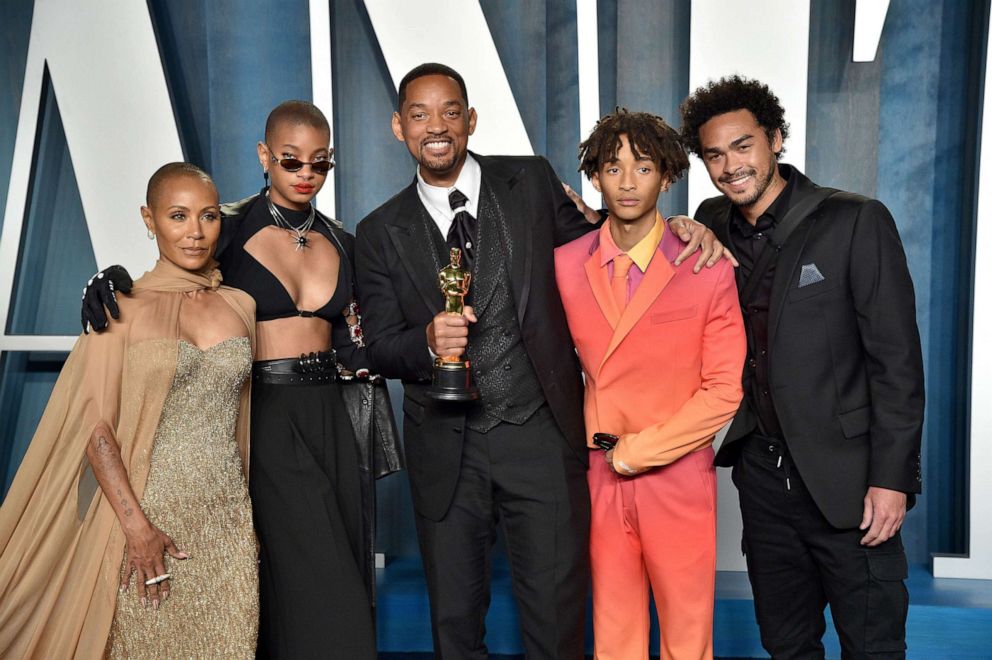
<point>810,275</point>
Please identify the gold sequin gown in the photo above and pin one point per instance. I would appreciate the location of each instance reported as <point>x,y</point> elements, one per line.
<point>196,493</point>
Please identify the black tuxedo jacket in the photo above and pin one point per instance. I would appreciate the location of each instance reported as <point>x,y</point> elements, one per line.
<point>399,294</point>
<point>845,365</point>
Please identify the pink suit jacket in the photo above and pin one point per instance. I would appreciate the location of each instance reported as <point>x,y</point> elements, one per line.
<point>665,374</point>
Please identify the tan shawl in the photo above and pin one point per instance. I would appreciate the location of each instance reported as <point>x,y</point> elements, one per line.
<point>61,545</point>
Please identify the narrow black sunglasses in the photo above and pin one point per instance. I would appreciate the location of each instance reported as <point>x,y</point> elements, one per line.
<point>322,166</point>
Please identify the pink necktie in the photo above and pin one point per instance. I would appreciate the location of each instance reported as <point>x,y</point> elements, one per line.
<point>621,266</point>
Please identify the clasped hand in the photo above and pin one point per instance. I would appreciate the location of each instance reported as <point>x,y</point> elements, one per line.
<point>447,334</point>
<point>624,471</point>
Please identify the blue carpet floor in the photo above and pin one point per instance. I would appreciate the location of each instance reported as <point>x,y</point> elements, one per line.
<point>429,656</point>
<point>948,619</point>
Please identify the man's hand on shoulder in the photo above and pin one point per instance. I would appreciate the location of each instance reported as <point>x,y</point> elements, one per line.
<point>447,334</point>
<point>885,510</point>
<point>697,236</point>
<point>101,292</point>
<point>591,214</point>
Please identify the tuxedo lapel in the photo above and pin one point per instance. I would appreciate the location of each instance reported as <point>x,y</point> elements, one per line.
<point>788,257</point>
<point>508,207</point>
<point>486,273</point>
<point>722,229</point>
<point>785,273</point>
<point>659,274</point>
<point>599,281</point>
<point>410,235</point>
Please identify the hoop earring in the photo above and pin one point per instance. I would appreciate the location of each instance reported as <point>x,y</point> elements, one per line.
<point>151,235</point>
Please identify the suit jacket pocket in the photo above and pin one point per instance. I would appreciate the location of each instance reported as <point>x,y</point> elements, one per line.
<point>674,315</point>
<point>814,289</point>
<point>856,422</point>
<point>413,410</point>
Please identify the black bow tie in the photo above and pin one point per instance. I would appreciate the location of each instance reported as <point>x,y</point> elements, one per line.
<point>462,233</point>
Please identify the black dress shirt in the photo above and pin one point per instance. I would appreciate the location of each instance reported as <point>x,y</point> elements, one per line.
<point>748,242</point>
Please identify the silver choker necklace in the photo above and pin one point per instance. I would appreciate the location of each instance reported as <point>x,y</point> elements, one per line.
<point>300,233</point>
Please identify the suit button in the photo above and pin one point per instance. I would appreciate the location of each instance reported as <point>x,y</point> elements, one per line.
<point>507,333</point>
<point>506,367</point>
<point>752,363</point>
<point>457,429</point>
<point>764,353</point>
<point>509,405</point>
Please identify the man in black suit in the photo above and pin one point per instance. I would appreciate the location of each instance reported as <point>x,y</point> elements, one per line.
<point>518,457</point>
<point>825,448</point>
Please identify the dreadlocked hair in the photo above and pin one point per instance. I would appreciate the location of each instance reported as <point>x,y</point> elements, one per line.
<point>647,134</point>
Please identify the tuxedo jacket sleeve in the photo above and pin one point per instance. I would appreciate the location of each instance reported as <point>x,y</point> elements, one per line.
<point>885,303</point>
<point>397,345</point>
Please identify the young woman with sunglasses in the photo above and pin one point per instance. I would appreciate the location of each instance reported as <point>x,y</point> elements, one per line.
<point>305,474</point>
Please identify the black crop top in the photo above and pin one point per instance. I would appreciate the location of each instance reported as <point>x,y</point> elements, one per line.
<point>244,219</point>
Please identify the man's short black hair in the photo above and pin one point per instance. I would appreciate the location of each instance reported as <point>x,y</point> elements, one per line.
<point>171,171</point>
<point>430,69</point>
<point>730,94</point>
<point>296,113</point>
<point>648,134</point>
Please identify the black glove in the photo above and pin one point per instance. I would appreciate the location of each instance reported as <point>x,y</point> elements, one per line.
<point>100,292</point>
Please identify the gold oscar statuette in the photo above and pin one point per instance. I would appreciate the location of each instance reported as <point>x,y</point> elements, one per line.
<point>452,379</point>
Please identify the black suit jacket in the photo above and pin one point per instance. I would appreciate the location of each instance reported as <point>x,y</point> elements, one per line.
<point>399,293</point>
<point>845,365</point>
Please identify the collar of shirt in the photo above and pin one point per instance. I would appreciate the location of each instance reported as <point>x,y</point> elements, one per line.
<point>640,254</point>
<point>435,198</point>
<point>775,212</point>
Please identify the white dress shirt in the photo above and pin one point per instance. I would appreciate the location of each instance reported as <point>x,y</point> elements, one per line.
<point>435,198</point>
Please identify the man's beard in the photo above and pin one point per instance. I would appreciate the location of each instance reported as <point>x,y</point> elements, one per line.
<point>759,188</point>
<point>437,163</point>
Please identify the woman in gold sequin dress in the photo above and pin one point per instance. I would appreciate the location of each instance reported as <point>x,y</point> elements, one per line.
<point>136,476</point>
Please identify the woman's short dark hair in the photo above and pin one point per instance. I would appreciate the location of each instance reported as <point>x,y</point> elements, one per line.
<point>647,134</point>
<point>296,113</point>
<point>170,171</point>
<point>730,94</point>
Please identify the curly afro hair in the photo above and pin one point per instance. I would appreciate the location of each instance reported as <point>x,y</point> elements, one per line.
<point>728,95</point>
<point>647,133</point>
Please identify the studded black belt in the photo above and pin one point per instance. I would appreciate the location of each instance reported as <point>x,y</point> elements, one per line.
<point>309,368</point>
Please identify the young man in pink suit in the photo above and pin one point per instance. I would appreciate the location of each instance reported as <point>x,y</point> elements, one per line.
<point>662,351</point>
